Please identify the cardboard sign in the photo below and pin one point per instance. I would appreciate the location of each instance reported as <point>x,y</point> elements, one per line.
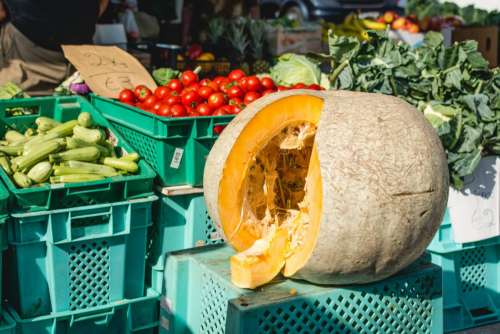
<point>107,69</point>
<point>475,211</point>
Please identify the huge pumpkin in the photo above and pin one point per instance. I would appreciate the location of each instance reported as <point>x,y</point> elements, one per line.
<point>335,188</point>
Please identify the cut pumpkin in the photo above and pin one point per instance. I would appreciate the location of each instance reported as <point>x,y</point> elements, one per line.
<point>334,188</point>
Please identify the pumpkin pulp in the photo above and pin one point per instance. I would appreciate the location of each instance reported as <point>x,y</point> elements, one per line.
<point>270,193</point>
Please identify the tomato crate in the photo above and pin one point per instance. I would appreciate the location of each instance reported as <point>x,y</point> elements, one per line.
<point>78,258</point>
<point>56,196</point>
<point>128,316</point>
<point>471,287</point>
<point>200,298</point>
<point>7,324</point>
<point>180,222</point>
<point>176,148</point>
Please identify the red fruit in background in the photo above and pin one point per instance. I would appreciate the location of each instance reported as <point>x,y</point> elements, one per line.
<point>299,86</point>
<point>173,99</point>
<point>390,16</point>
<point>188,77</point>
<point>218,80</point>
<point>243,83</point>
<point>205,92</point>
<point>178,110</point>
<point>236,75</point>
<point>204,109</point>
<point>190,98</point>
<point>267,83</point>
<point>162,92</point>
<point>218,129</point>
<point>412,27</point>
<point>216,100</point>
<point>175,85</point>
<point>142,92</point>
<point>282,88</point>
<point>126,95</point>
<point>267,92</point>
<point>194,51</point>
<point>314,87</point>
<point>250,97</point>
<point>235,91</point>
<point>157,106</point>
<point>253,84</point>
<point>164,110</point>
<point>399,24</point>
<point>150,102</point>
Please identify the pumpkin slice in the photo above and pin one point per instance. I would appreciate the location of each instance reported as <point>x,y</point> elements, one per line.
<point>357,181</point>
<point>261,262</point>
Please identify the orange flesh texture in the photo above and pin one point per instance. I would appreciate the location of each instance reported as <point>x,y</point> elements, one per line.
<point>252,139</point>
<point>249,271</point>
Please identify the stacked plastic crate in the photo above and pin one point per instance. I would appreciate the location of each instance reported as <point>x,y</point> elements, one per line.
<point>177,149</point>
<point>471,279</point>
<point>75,257</point>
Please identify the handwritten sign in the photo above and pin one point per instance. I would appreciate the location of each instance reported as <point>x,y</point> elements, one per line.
<point>107,69</point>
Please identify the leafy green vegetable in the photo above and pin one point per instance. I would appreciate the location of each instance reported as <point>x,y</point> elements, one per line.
<point>453,87</point>
<point>292,68</point>
<point>163,75</point>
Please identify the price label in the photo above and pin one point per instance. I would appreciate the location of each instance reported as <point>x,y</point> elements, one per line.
<point>176,159</point>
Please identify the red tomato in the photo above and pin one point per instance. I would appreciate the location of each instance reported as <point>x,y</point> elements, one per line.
<point>282,88</point>
<point>218,129</point>
<point>157,106</point>
<point>204,109</point>
<point>150,102</point>
<point>235,101</point>
<point>165,110</point>
<point>178,110</point>
<point>142,92</point>
<point>235,91</point>
<point>299,86</point>
<point>267,92</point>
<point>126,95</point>
<point>253,84</point>
<point>190,98</point>
<point>224,85</point>
<point>205,92</point>
<point>162,92</point>
<point>250,97</point>
<point>173,99</point>
<point>188,77</point>
<point>175,85</point>
<point>314,87</point>
<point>194,86</point>
<point>219,112</point>
<point>236,75</point>
<point>218,80</point>
<point>191,111</point>
<point>243,83</point>
<point>205,82</point>
<point>267,83</point>
<point>216,100</point>
<point>228,109</point>
<point>237,108</point>
<point>209,83</point>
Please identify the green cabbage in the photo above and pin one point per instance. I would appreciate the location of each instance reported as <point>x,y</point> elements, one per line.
<point>163,75</point>
<point>292,68</point>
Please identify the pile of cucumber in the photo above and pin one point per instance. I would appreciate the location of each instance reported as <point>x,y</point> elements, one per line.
<point>73,151</point>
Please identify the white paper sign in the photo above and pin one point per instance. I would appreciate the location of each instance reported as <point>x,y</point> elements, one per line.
<point>474,211</point>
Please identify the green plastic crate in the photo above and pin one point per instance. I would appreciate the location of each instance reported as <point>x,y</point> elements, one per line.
<point>201,299</point>
<point>7,324</point>
<point>180,222</point>
<point>443,241</point>
<point>78,258</point>
<point>471,287</point>
<point>176,148</point>
<point>129,316</point>
<point>4,198</point>
<point>3,246</point>
<point>48,197</point>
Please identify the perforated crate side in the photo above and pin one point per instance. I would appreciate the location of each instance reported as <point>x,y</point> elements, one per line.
<point>471,286</point>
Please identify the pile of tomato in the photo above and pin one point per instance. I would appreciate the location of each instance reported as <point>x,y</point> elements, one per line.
<point>188,96</point>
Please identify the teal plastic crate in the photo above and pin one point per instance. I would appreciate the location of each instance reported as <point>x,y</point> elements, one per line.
<point>48,197</point>
<point>180,222</point>
<point>443,241</point>
<point>129,316</point>
<point>7,324</point>
<point>4,198</point>
<point>200,298</point>
<point>471,287</point>
<point>78,258</point>
<point>176,148</point>
<point>3,246</point>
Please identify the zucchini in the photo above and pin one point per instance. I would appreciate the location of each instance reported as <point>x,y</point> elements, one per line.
<point>22,180</point>
<point>134,156</point>
<point>93,136</point>
<point>40,172</point>
<point>72,143</point>
<point>13,136</point>
<point>72,178</point>
<point>89,153</point>
<point>36,156</point>
<point>125,165</point>
<point>4,163</point>
<point>45,124</point>
<point>85,119</point>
